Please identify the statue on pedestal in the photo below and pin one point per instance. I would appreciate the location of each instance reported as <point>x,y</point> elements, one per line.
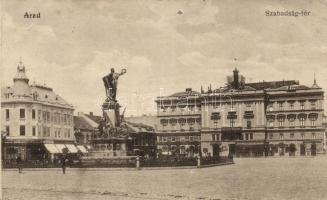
<point>110,83</point>
<point>110,107</point>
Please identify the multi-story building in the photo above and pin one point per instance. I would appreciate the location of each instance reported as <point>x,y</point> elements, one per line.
<point>179,123</point>
<point>37,122</point>
<point>244,119</point>
<point>265,118</point>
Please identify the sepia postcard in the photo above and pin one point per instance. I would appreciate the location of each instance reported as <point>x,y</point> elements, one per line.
<point>163,99</point>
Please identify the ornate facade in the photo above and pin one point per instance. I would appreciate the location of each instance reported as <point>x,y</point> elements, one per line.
<point>34,120</point>
<point>179,123</point>
<point>245,119</point>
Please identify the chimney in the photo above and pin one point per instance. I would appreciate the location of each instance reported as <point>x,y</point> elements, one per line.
<point>188,90</point>
<point>91,113</point>
<point>236,81</point>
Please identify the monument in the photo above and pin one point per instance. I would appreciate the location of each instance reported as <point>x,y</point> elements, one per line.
<point>113,138</point>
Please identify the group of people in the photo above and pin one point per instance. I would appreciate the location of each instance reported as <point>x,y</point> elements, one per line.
<point>20,162</point>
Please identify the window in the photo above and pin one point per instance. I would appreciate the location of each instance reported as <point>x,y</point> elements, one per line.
<point>313,135</point>
<point>215,124</point>
<point>22,131</point>
<point>22,113</point>
<point>232,108</point>
<point>59,134</point>
<point>39,113</point>
<point>313,123</point>
<point>271,108</point>
<point>281,122</point>
<point>248,107</point>
<point>164,122</point>
<point>164,139</point>
<point>213,137</point>
<point>246,136</point>
<point>271,136</point>
<point>291,135</point>
<point>248,124</point>
<point>280,106</point>
<point>313,105</point>
<point>48,117</point>
<point>44,116</point>
<point>302,135</point>
<point>173,108</point>
<point>292,123</point>
<point>69,133</point>
<point>173,139</point>
<point>251,136</point>
<point>232,123</point>
<point>291,106</point>
<point>182,121</point>
<point>39,131</point>
<point>7,115</point>
<point>302,105</point>
<point>302,122</point>
<point>33,114</point>
<point>44,131</point>
<point>7,130</point>
<point>281,136</point>
<point>271,124</point>
<point>33,131</point>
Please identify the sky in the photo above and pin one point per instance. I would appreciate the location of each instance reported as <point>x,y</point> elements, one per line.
<point>165,45</point>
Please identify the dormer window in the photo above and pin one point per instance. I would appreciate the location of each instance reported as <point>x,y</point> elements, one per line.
<point>35,96</point>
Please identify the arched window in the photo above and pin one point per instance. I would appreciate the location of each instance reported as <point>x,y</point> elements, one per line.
<point>182,121</point>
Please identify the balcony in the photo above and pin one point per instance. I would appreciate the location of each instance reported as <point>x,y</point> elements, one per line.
<point>248,115</point>
<point>231,129</point>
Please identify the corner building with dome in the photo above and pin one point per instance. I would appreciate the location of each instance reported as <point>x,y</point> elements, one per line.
<point>36,123</point>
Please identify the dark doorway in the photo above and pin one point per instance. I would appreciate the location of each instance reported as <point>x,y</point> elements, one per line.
<point>292,150</point>
<point>302,150</point>
<point>281,147</point>
<point>313,149</point>
<point>215,150</point>
<point>232,149</point>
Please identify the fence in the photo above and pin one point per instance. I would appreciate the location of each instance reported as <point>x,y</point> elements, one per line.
<point>123,162</point>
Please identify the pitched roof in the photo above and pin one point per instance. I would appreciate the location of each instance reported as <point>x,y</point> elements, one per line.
<point>48,95</point>
<point>81,123</point>
<point>271,84</point>
<point>95,118</point>
<point>140,127</point>
<point>44,94</point>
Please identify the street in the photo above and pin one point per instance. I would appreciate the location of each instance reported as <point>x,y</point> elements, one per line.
<point>249,178</point>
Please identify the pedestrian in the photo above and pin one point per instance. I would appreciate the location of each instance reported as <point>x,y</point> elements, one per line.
<point>63,164</point>
<point>19,163</point>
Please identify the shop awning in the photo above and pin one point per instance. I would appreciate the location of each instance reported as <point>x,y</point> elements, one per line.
<point>51,148</point>
<point>72,148</point>
<point>60,147</point>
<point>82,148</point>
